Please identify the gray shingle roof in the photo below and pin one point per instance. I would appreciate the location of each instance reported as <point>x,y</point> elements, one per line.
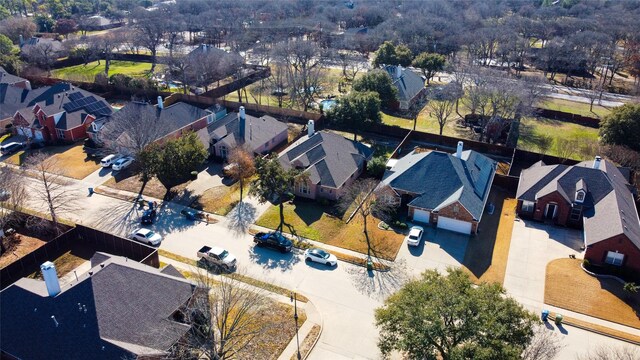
<point>328,159</point>
<point>409,84</point>
<point>258,131</point>
<point>6,78</point>
<point>128,311</point>
<point>609,204</point>
<point>439,179</point>
<point>13,98</point>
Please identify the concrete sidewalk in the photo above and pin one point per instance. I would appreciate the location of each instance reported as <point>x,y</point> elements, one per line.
<point>313,315</point>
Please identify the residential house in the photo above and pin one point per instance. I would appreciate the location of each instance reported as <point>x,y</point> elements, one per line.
<point>119,309</point>
<point>594,195</point>
<point>12,99</point>
<point>330,161</point>
<point>61,113</point>
<point>176,119</point>
<point>409,84</point>
<point>449,191</point>
<point>49,47</point>
<point>260,135</point>
<point>99,22</point>
<point>6,78</point>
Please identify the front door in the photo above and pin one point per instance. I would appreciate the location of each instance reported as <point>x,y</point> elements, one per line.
<point>551,211</point>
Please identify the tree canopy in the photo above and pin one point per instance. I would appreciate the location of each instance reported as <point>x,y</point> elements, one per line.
<point>356,110</point>
<point>380,82</point>
<point>177,158</point>
<point>622,126</point>
<point>429,63</point>
<point>445,317</point>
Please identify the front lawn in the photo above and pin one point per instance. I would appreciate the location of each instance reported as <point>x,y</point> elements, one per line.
<point>574,107</point>
<point>567,286</point>
<point>309,219</point>
<point>89,72</point>
<point>74,162</point>
<point>129,181</point>
<point>486,257</point>
<point>221,199</point>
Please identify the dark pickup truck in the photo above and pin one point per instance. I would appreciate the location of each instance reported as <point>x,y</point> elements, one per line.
<point>273,240</point>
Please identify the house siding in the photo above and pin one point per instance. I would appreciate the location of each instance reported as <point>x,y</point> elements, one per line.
<point>597,253</point>
<point>562,214</point>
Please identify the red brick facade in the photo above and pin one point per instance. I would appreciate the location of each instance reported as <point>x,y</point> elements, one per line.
<point>539,212</point>
<point>597,253</point>
<point>450,212</point>
<point>49,131</point>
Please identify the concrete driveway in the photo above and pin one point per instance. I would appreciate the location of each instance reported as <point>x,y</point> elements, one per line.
<point>533,245</point>
<point>438,249</point>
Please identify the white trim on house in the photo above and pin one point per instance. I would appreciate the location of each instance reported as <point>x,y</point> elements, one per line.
<point>528,206</point>
<point>614,258</point>
<point>455,225</point>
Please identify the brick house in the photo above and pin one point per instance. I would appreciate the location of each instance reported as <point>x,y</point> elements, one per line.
<point>62,113</point>
<point>176,119</point>
<point>260,135</point>
<point>330,161</point>
<point>409,84</point>
<point>449,191</point>
<point>592,195</point>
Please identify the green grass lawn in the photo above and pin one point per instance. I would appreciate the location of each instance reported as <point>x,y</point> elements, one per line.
<point>311,220</point>
<point>542,135</point>
<point>88,72</point>
<point>575,107</point>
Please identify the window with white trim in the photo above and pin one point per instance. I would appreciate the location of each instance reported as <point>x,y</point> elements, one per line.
<point>303,188</point>
<point>527,206</point>
<point>614,258</point>
<point>223,151</point>
<point>580,196</point>
<point>60,133</point>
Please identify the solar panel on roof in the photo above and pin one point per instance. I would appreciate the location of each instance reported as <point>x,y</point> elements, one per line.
<point>75,96</point>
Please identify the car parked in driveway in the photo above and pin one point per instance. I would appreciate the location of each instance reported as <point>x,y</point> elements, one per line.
<point>10,148</point>
<point>320,256</point>
<point>148,216</point>
<point>415,236</point>
<point>122,163</point>
<point>273,240</point>
<point>146,236</point>
<point>108,160</point>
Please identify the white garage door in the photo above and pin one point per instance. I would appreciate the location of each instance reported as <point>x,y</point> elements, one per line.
<point>421,216</point>
<point>454,225</point>
<point>39,135</point>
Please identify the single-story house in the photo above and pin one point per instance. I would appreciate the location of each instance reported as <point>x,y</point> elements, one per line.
<point>176,119</point>
<point>119,309</point>
<point>449,191</point>
<point>409,84</point>
<point>594,195</point>
<point>48,46</point>
<point>330,161</point>
<point>9,79</point>
<point>99,22</point>
<point>60,115</point>
<point>260,135</point>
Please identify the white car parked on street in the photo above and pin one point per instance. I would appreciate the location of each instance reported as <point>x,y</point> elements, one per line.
<point>320,256</point>
<point>146,236</point>
<point>415,235</point>
<point>122,163</point>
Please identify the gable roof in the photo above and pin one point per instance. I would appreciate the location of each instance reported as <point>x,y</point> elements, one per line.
<point>207,49</point>
<point>409,84</point>
<point>68,104</point>
<point>328,159</point>
<point>609,208</point>
<point>173,117</point>
<point>439,179</point>
<point>122,309</point>
<point>6,78</point>
<point>258,131</point>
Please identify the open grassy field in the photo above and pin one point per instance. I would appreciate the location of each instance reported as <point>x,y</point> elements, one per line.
<point>544,135</point>
<point>575,107</point>
<point>567,286</point>
<point>311,220</point>
<point>88,72</point>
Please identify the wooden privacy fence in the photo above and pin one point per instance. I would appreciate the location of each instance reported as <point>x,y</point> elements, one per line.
<point>79,237</point>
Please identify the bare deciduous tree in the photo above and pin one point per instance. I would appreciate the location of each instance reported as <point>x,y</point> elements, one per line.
<point>225,319</point>
<point>612,353</point>
<point>544,345</point>
<point>304,62</point>
<point>51,189</point>
<point>241,166</point>
<point>442,101</point>
<point>12,199</point>
<point>105,45</point>
<point>369,202</point>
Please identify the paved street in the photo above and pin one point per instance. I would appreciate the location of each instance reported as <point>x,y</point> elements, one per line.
<point>345,296</point>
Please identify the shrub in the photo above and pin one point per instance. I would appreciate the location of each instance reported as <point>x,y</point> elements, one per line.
<point>586,263</point>
<point>377,166</point>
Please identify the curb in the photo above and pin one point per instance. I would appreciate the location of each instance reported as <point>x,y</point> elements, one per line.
<point>602,276</point>
<point>315,342</point>
<point>570,323</point>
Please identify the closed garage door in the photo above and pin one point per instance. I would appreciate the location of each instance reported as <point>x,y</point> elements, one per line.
<point>421,215</point>
<point>39,135</point>
<point>454,225</point>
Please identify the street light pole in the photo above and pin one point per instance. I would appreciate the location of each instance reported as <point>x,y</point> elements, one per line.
<point>295,317</point>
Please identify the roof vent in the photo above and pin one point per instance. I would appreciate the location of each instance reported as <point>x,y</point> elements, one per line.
<point>90,273</point>
<point>596,162</point>
<point>55,321</point>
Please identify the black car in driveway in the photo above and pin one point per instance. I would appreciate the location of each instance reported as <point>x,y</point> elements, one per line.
<point>148,216</point>
<point>273,240</point>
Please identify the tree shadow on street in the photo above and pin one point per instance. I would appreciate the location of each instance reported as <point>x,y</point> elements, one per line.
<point>273,259</point>
<point>241,217</point>
<point>118,218</point>
<point>380,284</point>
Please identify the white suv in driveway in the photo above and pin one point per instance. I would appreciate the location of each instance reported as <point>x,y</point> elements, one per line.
<point>108,160</point>
<point>415,235</point>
